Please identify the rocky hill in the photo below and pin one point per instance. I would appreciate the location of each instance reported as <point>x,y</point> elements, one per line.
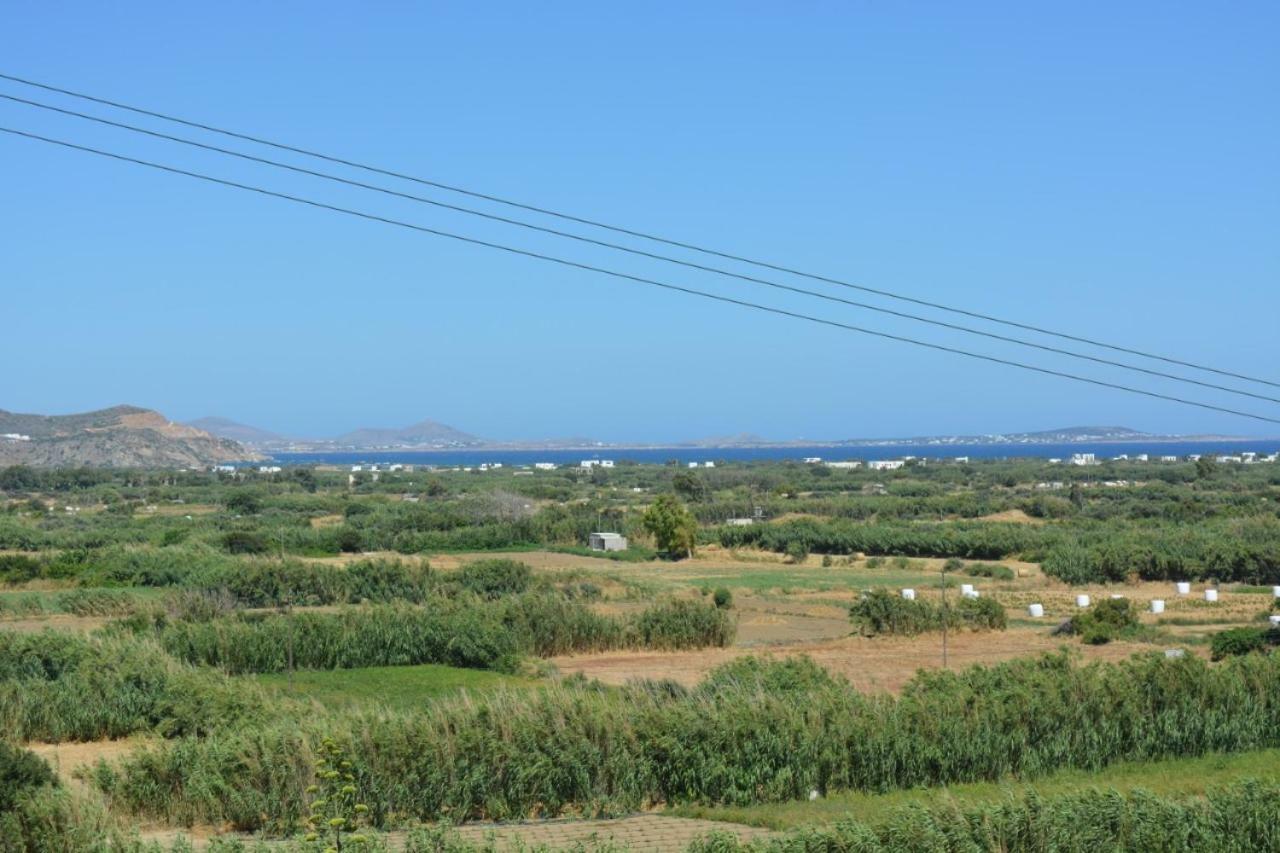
<point>119,437</point>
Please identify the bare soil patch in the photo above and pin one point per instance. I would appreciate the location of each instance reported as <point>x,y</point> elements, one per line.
<point>57,622</point>
<point>870,664</point>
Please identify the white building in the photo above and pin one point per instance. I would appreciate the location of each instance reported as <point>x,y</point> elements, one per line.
<point>848,463</point>
<point>592,463</point>
<point>268,469</point>
<point>608,542</point>
<point>1168,459</point>
<point>1084,459</point>
<point>740,522</point>
<point>885,464</point>
<point>811,460</point>
<point>545,466</point>
<point>15,436</point>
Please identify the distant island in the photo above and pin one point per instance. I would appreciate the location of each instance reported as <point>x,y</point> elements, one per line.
<point>430,435</point>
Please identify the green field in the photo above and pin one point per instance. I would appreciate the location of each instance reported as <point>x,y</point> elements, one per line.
<point>400,688</point>
<point>1176,777</point>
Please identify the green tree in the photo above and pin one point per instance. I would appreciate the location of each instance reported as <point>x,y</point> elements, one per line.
<point>689,486</point>
<point>1206,467</point>
<point>244,503</point>
<point>671,524</point>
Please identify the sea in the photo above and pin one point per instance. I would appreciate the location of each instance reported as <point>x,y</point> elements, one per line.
<point>830,453</point>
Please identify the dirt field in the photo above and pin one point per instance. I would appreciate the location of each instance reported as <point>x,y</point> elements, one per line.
<point>870,664</point>
<point>67,758</point>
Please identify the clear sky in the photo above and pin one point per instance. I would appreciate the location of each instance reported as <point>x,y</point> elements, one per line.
<point>1111,169</point>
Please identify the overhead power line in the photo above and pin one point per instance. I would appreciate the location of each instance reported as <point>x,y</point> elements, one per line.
<point>631,232</point>
<point>630,250</point>
<point>629,277</point>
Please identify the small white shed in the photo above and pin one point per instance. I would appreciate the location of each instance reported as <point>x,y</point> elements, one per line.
<point>608,542</point>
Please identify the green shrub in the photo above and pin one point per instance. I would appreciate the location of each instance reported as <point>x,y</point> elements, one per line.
<point>994,571</point>
<point>389,580</point>
<point>681,624</point>
<point>495,578</point>
<point>18,568</point>
<point>385,635</point>
<point>1109,619</point>
<point>1242,641</point>
<point>547,624</point>
<point>20,771</point>
<point>56,686</point>
<point>880,611</point>
<point>348,540</point>
<point>722,597</point>
<point>244,542</point>
<point>243,503</point>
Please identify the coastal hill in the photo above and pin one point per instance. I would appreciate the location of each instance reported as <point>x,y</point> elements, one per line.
<point>119,437</point>
<point>242,433</point>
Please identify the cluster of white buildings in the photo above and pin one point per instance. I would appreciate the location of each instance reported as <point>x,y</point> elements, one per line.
<point>14,436</point>
<point>596,463</point>
<point>702,464</point>
<point>1248,457</point>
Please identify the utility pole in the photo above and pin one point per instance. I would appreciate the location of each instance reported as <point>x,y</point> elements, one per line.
<point>945,616</point>
<point>287,610</point>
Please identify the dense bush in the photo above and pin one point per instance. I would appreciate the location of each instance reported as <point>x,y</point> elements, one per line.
<point>274,583</point>
<point>547,624</point>
<point>880,611</point>
<point>1242,641</point>
<point>18,568</point>
<point>756,736</point>
<point>20,771</point>
<point>387,635</point>
<point>971,541</point>
<point>56,686</point>
<point>495,578</point>
<point>995,571</point>
<point>1109,619</point>
<point>244,542</point>
<point>680,624</point>
<point>1245,550</point>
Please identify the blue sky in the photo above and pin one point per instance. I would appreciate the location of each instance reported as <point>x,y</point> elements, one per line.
<point>1108,169</point>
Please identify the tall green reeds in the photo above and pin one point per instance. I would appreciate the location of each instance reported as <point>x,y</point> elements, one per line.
<point>753,737</point>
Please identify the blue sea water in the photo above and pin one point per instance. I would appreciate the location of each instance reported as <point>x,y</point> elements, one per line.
<point>660,455</point>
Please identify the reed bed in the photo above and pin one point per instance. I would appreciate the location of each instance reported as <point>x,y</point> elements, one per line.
<point>757,736</point>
